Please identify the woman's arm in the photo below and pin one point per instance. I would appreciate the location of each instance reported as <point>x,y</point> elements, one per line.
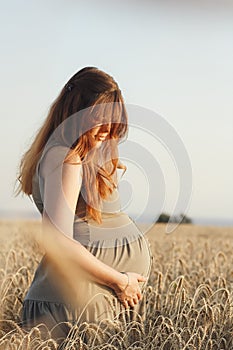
<point>62,184</point>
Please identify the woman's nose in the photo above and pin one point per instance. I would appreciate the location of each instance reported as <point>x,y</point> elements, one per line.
<point>105,128</point>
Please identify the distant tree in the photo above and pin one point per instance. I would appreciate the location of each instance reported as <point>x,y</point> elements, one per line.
<point>179,218</point>
<point>163,217</point>
<point>183,219</point>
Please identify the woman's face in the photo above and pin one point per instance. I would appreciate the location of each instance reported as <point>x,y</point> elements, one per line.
<point>100,133</point>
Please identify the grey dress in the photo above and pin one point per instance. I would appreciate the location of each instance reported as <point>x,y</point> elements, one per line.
<point>118,242</point>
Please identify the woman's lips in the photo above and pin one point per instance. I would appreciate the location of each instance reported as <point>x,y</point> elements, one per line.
<point>101,137</point>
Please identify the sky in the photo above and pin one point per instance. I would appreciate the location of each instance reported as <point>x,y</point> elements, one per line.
<point>172,58</point>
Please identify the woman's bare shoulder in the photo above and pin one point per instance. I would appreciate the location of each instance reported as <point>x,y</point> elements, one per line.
<point>55,157</point>
<point>74,158</point>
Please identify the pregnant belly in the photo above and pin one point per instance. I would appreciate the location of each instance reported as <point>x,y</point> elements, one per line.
<point>131,256</point>
<point>127,251</point>
<point>119,243</point>
<point>116,229</point>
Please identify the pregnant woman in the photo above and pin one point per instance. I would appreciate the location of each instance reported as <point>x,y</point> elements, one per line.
<point>96,260</point>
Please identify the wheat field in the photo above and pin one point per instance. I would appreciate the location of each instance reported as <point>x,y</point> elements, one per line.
<point>189,297</point>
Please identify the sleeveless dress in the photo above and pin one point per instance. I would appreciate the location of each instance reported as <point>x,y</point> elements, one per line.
<point>117,242</point>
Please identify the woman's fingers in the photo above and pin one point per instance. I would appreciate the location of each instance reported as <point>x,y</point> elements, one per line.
<point>139,295</point>
<point>132,294</point>
<point>125,303</point>
<point>141,278</point>
<point>130,302</point>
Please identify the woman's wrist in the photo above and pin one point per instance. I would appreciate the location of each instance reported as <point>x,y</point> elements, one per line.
<point>120,283</point>
<point>125,273</point>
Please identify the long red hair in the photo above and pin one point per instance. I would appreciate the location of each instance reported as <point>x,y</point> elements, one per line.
<point>95,98</point>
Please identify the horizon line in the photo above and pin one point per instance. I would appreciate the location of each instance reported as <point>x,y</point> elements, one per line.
<point>31,215</point>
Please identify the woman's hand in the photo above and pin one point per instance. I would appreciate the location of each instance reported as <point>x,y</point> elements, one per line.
<point>128,290</point>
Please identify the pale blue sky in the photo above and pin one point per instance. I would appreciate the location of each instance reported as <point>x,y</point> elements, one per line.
<point>175,59</point>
